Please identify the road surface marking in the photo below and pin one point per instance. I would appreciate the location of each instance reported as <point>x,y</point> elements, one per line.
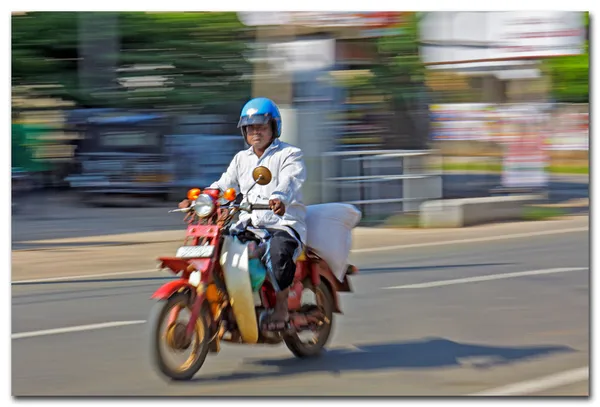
<point>540,384</point>
<point>373,249</point>
<point>485,278</point>
<point>471,240</point>
<point>85,276</point>
<point>74,329</point>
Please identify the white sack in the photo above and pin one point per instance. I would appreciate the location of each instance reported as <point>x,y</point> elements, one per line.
<point>329,233</point>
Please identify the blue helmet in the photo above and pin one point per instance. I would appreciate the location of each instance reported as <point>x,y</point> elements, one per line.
<point>260,111</point>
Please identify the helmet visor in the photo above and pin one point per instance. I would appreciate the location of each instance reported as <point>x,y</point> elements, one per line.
<point>254,119</point>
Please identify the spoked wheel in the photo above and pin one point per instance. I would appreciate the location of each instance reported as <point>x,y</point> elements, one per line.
<point>310,343</point>
<point>167,338</point>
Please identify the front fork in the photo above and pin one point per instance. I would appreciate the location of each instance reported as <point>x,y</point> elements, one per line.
<point>196,305</point>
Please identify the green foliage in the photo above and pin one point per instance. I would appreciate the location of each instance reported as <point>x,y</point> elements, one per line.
<point>400,72</point>
<point>161,59</point>
<point>570,74</point>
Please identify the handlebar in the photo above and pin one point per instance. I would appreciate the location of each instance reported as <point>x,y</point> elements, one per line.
<point>244,207</point>
<point>180,210</point>
<point>260,207</point>
<point>189,208</point>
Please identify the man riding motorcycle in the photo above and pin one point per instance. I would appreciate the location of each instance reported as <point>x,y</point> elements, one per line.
<point>260,124</point>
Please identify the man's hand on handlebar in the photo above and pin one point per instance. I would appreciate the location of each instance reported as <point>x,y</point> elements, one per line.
<point>184,204</point>
<point>277,207</point>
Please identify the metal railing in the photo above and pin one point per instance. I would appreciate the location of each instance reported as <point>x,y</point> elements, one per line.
<point>382,182</point>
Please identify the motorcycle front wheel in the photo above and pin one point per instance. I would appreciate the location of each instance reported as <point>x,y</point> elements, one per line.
<point>171,339</point>
<point>313,346</point>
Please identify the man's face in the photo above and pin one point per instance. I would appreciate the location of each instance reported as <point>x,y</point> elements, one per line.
<point>259,136</point>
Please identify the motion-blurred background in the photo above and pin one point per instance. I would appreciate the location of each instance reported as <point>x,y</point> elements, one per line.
<point>391,108</point>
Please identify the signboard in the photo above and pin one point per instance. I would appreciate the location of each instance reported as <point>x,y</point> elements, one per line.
<point>461,121</point>
<point>541,34</point>
<point>302,55</point>
<point>562,127</point>
<point>524,162</point>
<point>461,37</point>
<point>295,56</point>
<point>570,130</point>
<point>374,23</point>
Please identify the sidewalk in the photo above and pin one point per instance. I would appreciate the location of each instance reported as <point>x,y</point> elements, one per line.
<point>367,238</point>
<point>363,237</point>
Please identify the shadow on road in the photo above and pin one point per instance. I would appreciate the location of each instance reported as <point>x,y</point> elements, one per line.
<point>423,354</point>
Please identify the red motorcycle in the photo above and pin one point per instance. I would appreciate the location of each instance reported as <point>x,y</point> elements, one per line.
<point>223,293</point>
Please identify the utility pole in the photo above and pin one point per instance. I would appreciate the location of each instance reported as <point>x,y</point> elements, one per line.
<point>98,52</point>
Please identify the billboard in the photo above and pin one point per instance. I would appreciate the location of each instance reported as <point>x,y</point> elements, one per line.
<point>372,23</point>
<point>450,37</point>
<point>301,55</point>
<point>562,127</point>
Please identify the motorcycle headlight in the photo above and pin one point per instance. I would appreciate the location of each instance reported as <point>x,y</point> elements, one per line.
<point>204,205</point>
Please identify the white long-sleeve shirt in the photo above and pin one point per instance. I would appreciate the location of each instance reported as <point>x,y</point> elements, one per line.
<point>288,174</point>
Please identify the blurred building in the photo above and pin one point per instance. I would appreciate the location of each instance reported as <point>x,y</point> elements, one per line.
<point>499,52</point>
<point>298,57</point>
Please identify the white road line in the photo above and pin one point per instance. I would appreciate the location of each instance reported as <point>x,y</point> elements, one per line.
<point>540,384</point>
<point>74,329</point>
<point>366,250</point>
<point>85,276</point>
<point>485,278</point>
<point>472,240</point>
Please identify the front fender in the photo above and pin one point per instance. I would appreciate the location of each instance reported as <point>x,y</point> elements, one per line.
<point>170,288</point>
<point>235,266</point>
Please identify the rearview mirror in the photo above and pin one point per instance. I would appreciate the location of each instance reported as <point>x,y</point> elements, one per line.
<point>261,175</point>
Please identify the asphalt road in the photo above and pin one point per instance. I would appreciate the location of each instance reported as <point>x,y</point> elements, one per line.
<point>406,330</point>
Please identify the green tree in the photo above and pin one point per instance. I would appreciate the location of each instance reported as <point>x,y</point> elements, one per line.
<point>398,76</point>
<point>570,74</point>
<point>400,73</point>
<point>141,60</point>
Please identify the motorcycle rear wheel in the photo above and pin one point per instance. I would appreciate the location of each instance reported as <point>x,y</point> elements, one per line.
<point>302,349</point>
<point>200,339</point>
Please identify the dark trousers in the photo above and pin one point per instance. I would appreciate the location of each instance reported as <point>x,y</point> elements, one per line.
<point>279,257</point>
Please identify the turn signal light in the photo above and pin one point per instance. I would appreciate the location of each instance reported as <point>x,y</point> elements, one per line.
<point>230,195</point>
<point>193,194</point>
